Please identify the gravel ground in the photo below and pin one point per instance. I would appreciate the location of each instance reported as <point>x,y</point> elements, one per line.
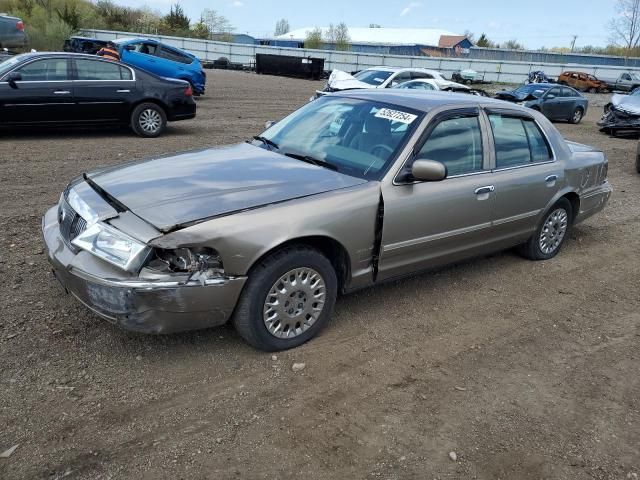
<point>525,370</point>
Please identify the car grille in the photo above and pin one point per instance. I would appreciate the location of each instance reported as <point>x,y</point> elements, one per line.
<point>71,224</point>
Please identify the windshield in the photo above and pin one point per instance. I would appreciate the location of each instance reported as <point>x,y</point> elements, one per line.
<point>533,89</point>
<point>634,76</point>
<point>9,64</point>
<point>373,77</point>
<point>355,137</point>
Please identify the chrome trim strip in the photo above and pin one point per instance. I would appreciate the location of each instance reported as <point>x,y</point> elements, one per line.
<point>140,284</point>
<point>504,169</point>
<point>515,218</point>
<point>36,104</point>
<point>437,236</point>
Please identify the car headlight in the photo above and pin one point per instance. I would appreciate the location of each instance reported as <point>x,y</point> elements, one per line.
<point>113,246</point>
<point>198,263</point>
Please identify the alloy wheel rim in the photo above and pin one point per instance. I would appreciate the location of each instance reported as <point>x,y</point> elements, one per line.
<point>294,303</point>
<point>150,120</point>
<point>553,231</point>
<point>577,116</point>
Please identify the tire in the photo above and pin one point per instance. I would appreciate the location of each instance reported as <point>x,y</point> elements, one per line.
<point>593,90</point>
<point>261,316</point>
<point>561,214</point>
<point>638,158</point>
<point>148,120</point>
<point>576,118</point>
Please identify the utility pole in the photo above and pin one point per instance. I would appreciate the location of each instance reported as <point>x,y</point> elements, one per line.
<point>573,43</point>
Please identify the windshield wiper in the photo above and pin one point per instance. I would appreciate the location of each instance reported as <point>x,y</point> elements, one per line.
<point>267,142</point>
<point>312,160</point>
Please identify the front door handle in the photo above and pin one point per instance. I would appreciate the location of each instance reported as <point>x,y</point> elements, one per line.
<point>123,91</point>
<point>485,190</point>
<point>61,92</point>
<point>551,178</point>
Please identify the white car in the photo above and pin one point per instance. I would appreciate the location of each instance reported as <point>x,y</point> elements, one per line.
<point>385,77</point>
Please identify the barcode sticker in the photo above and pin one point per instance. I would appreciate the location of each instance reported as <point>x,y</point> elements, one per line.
<point>396,115</point>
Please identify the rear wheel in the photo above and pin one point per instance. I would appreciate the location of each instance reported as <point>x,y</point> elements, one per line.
<point>287,300</point>
<point>576,117</point>
<point>148,120</point>
<point>593,90</point>
<point>551,234</point>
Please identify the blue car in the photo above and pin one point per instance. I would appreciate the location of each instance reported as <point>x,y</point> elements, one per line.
<point>163,60</point>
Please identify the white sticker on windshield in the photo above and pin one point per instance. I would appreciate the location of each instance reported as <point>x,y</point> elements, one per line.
<point>396,115</point>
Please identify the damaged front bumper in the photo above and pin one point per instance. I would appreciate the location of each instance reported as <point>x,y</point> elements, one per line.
<point>159,305</point>
<point>615,120</point>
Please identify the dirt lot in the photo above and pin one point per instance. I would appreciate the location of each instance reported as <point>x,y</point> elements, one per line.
<point>525,370</point>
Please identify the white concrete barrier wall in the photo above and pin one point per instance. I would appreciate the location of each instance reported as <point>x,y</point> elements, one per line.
<point>493,70</point>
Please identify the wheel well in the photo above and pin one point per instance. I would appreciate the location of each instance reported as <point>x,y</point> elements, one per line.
<point>330,248</point>
<point>149,100</point>
<point>574,199</point>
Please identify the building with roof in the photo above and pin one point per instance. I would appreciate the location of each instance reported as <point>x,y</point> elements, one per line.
<point>398,41</point>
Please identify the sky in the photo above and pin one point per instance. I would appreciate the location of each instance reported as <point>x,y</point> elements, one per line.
<point>534,23</point>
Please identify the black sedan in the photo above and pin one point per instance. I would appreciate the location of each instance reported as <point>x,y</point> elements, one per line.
<point>75,89</point>
<point>554,101</point>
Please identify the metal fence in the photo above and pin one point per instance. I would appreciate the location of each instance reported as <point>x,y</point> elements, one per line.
<point>493,70</point>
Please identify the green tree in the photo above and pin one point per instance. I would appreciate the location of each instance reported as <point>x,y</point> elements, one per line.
<point>484,42</point>
<point>342,37</point>
<point>313,39</point>
<point>176,20</point>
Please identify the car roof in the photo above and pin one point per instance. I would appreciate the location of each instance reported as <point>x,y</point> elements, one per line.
<point>383,68</point>
<point>424,100</point>
<point>134,39</point>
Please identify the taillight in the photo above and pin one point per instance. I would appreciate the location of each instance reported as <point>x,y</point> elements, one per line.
<point>188,92</point>
<point>20,26</point>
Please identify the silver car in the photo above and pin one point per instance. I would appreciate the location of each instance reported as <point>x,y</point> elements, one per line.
<point>351,190</point>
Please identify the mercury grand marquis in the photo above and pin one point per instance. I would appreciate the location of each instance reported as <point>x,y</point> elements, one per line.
<point>353,189</point>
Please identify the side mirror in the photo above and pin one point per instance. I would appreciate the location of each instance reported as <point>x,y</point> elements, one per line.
<point>428,170</point>
<point>14,77</point>
<point>268,124</point>
<point>550,96</point>
<point>131,48</point>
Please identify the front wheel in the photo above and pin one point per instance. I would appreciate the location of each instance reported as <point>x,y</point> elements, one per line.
<point>148,120</point>
<point>577,116</point>
<point>287,300</point>
<point>551,234</point>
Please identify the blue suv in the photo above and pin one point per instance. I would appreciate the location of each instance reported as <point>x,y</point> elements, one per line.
<point>163,60</point>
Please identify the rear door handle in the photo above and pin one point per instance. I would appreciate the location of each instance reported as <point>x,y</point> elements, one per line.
<point>483,190</point>
<point>551,178</point>
<point>123,91</point>
<point>61,92</point>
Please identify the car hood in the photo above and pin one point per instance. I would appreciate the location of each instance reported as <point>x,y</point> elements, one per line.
<point>626,103</point>
<point>172,191</point>
<point>339,80</point>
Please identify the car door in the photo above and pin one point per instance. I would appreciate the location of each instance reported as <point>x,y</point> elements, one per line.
<point>42,94</point>
<point>174,63</point>
<point>142,54</point>
<point>526,175</point>
<point>431,223</point>
<point>104,91</point>
<point>551,104</point>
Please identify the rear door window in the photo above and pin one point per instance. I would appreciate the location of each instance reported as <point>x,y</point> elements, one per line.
<point>173,55</point>
<point>518,141</point>
<point>457,143</point>
<point>97,70</point>
<point>46,70</point>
